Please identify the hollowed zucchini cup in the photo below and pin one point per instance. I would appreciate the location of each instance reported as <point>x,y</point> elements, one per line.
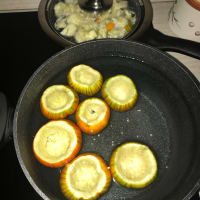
<point>85,80</point>
<point>92,115</point>
<point>119,92</point>
<point>133,165</point>
<point>86,177</point>
<point>57,142</point>
<point>58,101</point>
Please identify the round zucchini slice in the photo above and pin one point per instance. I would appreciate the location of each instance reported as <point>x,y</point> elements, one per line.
<point>92,115</point>
<point>58,101</point>
<point>119,92</point>
<point>57,142</point>
<point>133,165</point>
<point>85,80</point>
<point>86,177</point>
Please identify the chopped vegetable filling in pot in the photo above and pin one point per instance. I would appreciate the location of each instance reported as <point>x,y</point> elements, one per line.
<point>82,26</point>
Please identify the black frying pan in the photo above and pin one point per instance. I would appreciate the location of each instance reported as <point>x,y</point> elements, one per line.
<point>142,31</point>
<point>165,117</point>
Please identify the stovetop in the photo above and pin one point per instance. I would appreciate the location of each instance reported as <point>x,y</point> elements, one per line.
<point>23,48</point>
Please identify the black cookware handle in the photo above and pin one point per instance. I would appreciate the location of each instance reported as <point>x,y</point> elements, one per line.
<point>161,41</point>
<point>196,196</point>
<point>6,121</point>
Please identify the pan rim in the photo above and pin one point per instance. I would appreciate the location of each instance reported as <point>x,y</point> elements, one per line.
<point>189,74</point>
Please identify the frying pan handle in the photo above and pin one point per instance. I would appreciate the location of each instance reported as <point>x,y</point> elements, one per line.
<point>157,39</point>
<point>6,118</point>
<point>196,196</point>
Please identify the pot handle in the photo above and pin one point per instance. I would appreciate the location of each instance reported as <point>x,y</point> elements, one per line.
<point>161,41</point>
<point>6,118</point>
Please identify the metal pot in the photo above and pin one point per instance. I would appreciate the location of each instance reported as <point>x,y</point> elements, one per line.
<point>142,31</point>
